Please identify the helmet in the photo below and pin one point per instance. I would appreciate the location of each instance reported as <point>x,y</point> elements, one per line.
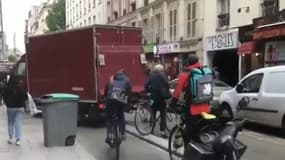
<point>192,59</point>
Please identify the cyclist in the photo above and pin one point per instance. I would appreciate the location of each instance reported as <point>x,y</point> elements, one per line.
<point>117,93</point>
<point>158,87</point>
<point>192,111</point>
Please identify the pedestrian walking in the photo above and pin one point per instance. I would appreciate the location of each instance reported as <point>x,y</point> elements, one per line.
<point>14,97</point>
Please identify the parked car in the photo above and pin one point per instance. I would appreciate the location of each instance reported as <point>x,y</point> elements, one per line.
<point>219,87</point>
<point>265,90</point>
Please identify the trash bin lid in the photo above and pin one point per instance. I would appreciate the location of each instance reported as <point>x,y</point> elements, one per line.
<point>62,96</point>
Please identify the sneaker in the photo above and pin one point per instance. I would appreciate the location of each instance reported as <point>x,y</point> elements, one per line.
<point>163,134</point>
<point>18,143</point>
<point>109,142</point>
<point>10,141</point>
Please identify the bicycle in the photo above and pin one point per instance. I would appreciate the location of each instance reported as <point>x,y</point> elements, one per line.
<point>176,140</point>
<point>144,121</point>
<point>116,138</point>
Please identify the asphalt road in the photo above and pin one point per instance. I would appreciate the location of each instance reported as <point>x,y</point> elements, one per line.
<point>92,138</point>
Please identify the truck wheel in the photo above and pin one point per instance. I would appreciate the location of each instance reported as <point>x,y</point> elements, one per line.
<point>226,112</point>
<point>283,124</point>
<point>81,119</point>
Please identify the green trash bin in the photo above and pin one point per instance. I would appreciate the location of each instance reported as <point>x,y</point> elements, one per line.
<point>59,119</point>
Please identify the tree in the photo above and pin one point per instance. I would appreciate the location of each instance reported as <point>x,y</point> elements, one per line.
<point>12,58</point>
<point>56,16</point>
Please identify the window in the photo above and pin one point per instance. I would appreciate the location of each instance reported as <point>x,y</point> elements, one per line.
<point>224,13</point>
<point>89,6</point>
<point>124,12</point>
<point>274,81</point>
<point>133,24</point>
<point>115,14</point>
<point>191,19</point>
<point>84,5</point>
<point>252,84</point>
<point>133,6</point>
<point>94,3</point>
<point>89,20</point>
<point>94,19</point>
<point>84,22</point>
<point>172,24</point>
<point>157,28</point>
<point>80,6</point>
<point>146,2</point>
<point>76,12</point>
<point>270,7</point>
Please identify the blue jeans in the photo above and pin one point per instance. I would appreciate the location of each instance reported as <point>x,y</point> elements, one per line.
<point>14,122</point>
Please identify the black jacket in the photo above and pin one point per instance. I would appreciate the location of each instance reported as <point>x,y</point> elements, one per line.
<point>14,96</point>
<point>155,82</point>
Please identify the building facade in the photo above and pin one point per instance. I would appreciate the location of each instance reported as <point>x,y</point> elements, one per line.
<point>81,13</point>
<point>261,36</point>
<point>3,48</point>
<point>172,29</point>
<point>36,22</point>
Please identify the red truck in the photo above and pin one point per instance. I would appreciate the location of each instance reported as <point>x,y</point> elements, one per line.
<point>80,61</point>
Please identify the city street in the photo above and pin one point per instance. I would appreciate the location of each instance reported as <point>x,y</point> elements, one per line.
<point>261,144</point>
<point>134,149</point>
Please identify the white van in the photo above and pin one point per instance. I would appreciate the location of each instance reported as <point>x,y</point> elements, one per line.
<point>265,89</point>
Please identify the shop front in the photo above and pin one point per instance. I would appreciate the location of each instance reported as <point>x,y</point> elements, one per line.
<point>272,38</point>
<point>168,55</point>
<point>222,55</point>
<point>250,57</point>
<point>269,35</point>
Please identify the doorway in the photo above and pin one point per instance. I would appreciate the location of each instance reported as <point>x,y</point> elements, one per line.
<point>226,62</point>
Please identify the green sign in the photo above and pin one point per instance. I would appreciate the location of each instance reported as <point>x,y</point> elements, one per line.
<point>148,48</point>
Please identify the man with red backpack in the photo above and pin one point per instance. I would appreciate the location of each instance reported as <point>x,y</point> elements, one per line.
<point>196,82</point>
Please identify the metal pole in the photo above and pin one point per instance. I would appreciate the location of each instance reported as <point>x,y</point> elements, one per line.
<point>2,31</point>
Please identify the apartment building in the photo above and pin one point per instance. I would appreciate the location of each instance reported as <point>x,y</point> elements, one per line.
<point>81,13</point>
<point>261,26</point>
<point>36,22</point>
<point>232,42</point>
<point>171,29</point>
<point>2,36</point>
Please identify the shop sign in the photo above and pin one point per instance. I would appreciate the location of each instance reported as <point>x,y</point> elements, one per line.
<point>269,33</point>
<point>167,48</point>
<point>275,51</point>
<point>148,48</point>
<point>222,41</point>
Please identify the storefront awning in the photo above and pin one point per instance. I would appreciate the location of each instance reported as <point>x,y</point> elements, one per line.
<point>247,48</point>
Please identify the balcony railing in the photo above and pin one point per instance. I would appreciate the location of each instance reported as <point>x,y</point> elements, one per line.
<point>223,20</point>
<point>269,10</point>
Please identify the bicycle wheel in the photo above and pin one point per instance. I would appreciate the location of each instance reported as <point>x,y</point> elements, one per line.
<point>169,121</point>
<point>143,120</point>
<point>176,144</point>
<point>117,141</point>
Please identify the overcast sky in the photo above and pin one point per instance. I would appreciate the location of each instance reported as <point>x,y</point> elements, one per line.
<point>14,14</point>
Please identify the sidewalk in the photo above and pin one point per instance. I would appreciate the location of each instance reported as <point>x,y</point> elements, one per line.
<point>32,147</point>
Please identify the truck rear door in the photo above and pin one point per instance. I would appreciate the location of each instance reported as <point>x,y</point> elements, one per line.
<point>120,48</point>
